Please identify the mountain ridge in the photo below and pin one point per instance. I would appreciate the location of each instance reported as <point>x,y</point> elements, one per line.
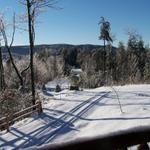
<point>54,48</point>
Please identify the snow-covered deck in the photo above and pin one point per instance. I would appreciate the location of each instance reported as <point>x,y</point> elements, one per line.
<point>76,114</point>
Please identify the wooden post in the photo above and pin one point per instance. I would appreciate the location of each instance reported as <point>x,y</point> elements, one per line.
<point>7,122</point>
<point>39,107</point>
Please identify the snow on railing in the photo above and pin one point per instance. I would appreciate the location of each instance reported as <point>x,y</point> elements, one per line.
<point>114,141</point>
<point>9,119</point>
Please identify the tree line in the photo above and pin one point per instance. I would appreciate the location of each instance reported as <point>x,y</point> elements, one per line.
<point>124,64</point>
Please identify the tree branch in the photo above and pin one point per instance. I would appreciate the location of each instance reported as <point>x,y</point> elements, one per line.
<point>14,30</point>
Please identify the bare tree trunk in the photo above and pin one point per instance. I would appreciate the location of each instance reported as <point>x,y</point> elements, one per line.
<point>55,67</point>
<point>15,67</point>
<point>31,41</point>
<point>104,62</point>
<point>2,80</point>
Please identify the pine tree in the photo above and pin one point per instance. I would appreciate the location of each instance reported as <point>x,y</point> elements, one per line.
<point>105,36</point>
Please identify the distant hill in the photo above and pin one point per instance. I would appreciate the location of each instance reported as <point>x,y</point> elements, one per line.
<point>54,48</point>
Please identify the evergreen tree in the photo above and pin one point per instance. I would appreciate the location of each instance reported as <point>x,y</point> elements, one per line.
<point>132,54</point>
<point>141,54</point>
<point>121,67</point>
<point>105,36</point>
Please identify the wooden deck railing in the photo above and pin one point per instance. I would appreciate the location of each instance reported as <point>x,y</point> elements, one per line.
<point>9,119</point>
<point>115,141</point>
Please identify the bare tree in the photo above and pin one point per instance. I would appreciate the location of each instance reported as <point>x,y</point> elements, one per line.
<point>9,46</point>
<point>33,8</point>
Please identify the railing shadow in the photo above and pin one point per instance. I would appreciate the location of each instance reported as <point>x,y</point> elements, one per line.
<point>52,127</point>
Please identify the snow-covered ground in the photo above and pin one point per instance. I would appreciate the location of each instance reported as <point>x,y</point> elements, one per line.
<point>70,115</point>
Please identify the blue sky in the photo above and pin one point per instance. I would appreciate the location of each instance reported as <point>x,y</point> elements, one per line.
<point>77,22</point>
